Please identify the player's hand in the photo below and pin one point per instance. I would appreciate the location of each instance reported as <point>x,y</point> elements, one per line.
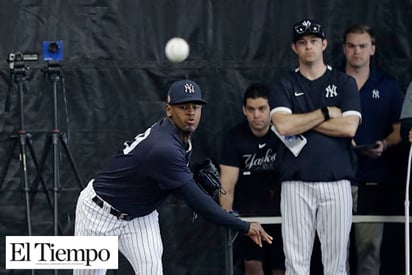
<point>410,135</point>
<point>334,112</point>
<point>374,153</point>
<point>258,234</point>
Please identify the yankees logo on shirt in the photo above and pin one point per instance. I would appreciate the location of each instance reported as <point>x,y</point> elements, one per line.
<point>294,94</point>
<point>257,189</point>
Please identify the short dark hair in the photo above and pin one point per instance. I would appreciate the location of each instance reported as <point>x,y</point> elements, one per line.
<point>256,90</point>
<point>360,28</point>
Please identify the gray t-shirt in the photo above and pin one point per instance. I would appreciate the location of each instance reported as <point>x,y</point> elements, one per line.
<point>407,104</point>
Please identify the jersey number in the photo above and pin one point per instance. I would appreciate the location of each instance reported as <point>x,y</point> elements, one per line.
<point>140,137</point>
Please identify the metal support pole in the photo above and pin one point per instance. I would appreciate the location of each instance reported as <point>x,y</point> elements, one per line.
<point>407,248</point>
<point>229,239</point>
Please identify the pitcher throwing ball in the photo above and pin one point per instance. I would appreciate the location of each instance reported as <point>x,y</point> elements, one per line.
<point>123,198</point>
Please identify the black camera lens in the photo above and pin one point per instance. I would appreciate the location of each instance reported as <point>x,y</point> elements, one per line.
<point>18,57</point>
<point>53,47</point>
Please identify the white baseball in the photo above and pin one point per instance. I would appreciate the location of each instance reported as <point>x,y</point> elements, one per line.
<point>177,49</point>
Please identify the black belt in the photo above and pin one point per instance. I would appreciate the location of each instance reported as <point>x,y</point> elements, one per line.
<point>113,211</point>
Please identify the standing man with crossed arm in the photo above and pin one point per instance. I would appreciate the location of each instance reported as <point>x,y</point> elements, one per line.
<point>381,103</point>
<point>122,200</point>
<point>249,174</point>
<point>316,110</point>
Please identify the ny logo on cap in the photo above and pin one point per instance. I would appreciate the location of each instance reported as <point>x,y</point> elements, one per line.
<point>189,88</point>
<point>306,23</point>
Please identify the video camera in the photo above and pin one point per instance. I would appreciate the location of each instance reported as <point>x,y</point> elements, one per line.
<point>52,53</point>
<point>16,60</point>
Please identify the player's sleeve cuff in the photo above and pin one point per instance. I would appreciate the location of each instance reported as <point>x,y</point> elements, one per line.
<point>280,109</point>
<point>353,113</point>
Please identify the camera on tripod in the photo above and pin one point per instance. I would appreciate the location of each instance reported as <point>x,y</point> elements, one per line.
<point>16,60</point>
<point>53,50</point>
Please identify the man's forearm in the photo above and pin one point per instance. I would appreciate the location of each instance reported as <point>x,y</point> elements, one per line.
<point>339,127</point>
<point>406,126</point>
<point>295,124</point>
<point>394,137</point>
<point>226,200</point>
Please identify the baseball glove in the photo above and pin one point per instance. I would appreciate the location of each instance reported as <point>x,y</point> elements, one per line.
<point>207,177</point>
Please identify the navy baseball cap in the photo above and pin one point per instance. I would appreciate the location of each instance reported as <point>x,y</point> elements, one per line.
<point>183,91</point>
<point>307,26</point>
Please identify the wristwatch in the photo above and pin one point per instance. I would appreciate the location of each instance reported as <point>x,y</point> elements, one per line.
<point>325,112</point>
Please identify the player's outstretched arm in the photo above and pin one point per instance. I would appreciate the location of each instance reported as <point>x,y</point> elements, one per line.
<point>258,234</point>
<point>206,207</point>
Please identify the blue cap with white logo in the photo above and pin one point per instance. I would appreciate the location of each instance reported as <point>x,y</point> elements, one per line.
<point>307,26</point>
<point>183,91</point>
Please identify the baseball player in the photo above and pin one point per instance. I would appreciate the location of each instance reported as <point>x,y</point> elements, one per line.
<point>249,165</point>
<point>316,111</point>
<point>123,198</point>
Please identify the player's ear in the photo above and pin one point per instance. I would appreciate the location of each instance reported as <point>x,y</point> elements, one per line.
<point>244,110</point>
<point>168,110</point>
<point>373,50</point>
<point>324,43</point>
<point>293,46</point>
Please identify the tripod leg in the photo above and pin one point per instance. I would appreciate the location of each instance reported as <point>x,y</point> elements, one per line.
<point>34,186</point>
<point>39,177</point>
<point>23,162</point>
<point>10,155</point>
<point>73,165</point>
<point>56,180</point>
<point>42,162</point>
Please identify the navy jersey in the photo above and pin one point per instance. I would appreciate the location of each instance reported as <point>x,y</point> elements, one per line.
<point>381,104</point>
<point>257,191</point>
<point>141,175</point>
<point>323,158</point>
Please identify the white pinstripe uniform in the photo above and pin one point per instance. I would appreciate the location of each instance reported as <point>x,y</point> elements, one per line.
<point>316,193</point>
<point>139,239</point>
<point>122,199</point>
<point>326,207</point>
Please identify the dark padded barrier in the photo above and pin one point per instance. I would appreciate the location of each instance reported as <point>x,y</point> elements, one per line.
<point>116,78</point>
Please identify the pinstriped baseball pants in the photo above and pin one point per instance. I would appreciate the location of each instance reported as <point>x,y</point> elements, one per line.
<point>139,239</point>
<point>307,207</point>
